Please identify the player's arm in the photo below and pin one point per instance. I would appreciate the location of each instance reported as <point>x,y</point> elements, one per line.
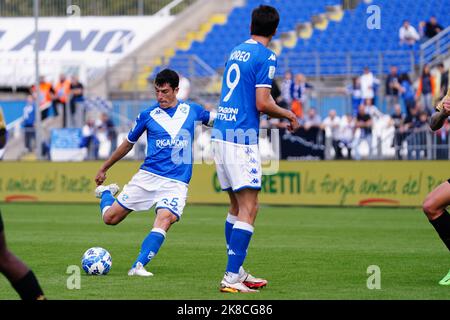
<point>124,148</point>
<point>443,111</point>
<point>266,104</point>
<point>118,154</point>
<point>208,117</point>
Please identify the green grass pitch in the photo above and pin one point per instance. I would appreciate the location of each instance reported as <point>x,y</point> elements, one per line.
<point>305,253</point>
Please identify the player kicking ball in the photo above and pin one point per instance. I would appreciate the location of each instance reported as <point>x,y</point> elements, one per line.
<point>162,180</point>
<point>438,200</point>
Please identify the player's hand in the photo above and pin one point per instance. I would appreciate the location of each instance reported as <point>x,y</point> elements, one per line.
<point>100,177</point>
<point>293,123</point>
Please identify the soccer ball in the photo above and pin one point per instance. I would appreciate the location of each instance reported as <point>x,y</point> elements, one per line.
<point>96,261</point>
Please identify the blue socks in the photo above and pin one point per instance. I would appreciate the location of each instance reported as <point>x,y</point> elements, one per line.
<point>150,246</point>
<point>107,201</point>
<point>239,241</point>
<point>229,224</point>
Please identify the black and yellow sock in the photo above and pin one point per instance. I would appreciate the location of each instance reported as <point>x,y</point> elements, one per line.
<point>28,287</point>
<point>442,226</point>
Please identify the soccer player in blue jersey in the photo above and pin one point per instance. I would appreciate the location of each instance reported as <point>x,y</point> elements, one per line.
<point>164,176</point>
<point>246,87</point>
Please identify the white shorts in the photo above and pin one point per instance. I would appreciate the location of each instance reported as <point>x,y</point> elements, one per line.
<point>145,189</point>
<point>238,166</point>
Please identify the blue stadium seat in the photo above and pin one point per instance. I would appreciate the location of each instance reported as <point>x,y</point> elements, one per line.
<point>349,35</point>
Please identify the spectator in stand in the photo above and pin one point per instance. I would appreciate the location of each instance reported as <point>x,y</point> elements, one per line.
<point>408,34</point>
<point>364,124</point>
<point>430,28</point>
<point>397,119</point>
<point>391,88</point>
<point>300,95</point>
<point>368,83</point>
<point>62,92</point>
<point>426,89</point>
<point>29,112</point>
<point>89,139</point>
<point>408,126</point>
<point>331,125</point>
<point>312,119</point>
<point>46,94</point>
<point>443,87</point>
<point>372,110</point>
<point>305,90</point>
<point>407,92</point>
<point>355,91</point>
<point>106,125</point>
<point>417,142</point>
<point>286,90</point>
<point>76,96</point>
<point>346,133</point>
<point>442,143</point>
<point>275,92</point>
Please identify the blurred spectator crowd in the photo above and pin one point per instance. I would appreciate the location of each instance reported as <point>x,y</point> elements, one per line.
<point>403,125</point>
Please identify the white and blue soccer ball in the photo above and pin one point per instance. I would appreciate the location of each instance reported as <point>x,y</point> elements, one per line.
<point>96,261</point>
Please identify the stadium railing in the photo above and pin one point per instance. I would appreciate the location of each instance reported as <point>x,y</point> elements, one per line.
<point>322,64</point>
<point>412,145</point>
<point>435,50</point>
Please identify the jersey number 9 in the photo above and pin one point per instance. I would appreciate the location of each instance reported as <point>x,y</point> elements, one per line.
<point>232,84</point>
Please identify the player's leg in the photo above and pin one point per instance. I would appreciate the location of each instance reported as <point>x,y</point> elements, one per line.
<point>153,242</point>
<point>434,207</point>
<point>240,239</point>
<point>231,217</point>
<point>19,275</point>
<point>219,150</point>
<point>112,211</point>
<point>115,214</point>
<point>170,198</point>
<point>245,277</point>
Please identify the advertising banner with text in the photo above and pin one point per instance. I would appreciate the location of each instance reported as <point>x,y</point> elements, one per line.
<point>74,45</point>
<point>327,183</point>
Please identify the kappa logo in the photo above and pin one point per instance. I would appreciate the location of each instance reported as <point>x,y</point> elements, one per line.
<point>248,151</point>
<point>272,57</point>
<point>158,111</point>
<point>231,253</point>
<point>151,254</point>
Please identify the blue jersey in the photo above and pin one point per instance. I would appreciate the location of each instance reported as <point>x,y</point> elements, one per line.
<point>250,65</point>
<point>170,133</point>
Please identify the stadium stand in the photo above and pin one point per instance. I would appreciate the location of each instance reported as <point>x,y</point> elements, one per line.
<point>336,33</point>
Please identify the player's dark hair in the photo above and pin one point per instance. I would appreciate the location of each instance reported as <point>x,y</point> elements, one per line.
<point>167,76</point>
<point>265,21</point>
